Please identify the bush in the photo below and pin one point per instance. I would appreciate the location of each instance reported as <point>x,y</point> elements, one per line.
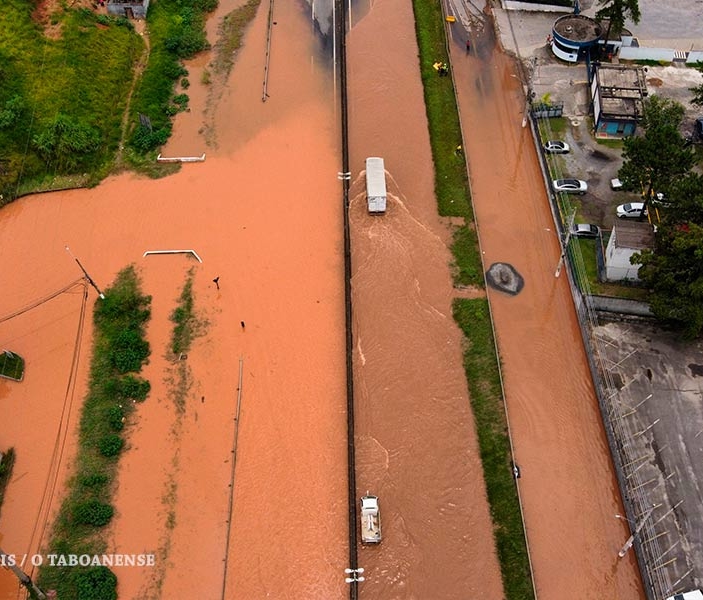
<point>92,512</point>
<point>145,139</point>
<point>110,445</point>
<point>128,351</point>
<point>94,480</point>
<point>116,417</point>
<point>97,583</point>
<point>185,84</point>
<point>128,387</point>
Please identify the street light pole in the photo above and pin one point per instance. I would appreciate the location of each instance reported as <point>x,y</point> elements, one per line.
<point>8,561</point>
<point>631,539</point>
<point>85,273</point>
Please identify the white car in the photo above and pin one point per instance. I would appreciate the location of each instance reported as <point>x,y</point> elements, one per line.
<point>570,186</point>
<point>630,210</point>
<point>693,595</point>
<point>556,147</point>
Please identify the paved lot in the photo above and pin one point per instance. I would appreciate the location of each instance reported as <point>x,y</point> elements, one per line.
<point>651,382</point>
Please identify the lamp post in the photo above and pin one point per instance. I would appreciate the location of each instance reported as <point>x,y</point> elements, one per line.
<point>85,273</point>
<point>637,529</point>
<point>354,575</point>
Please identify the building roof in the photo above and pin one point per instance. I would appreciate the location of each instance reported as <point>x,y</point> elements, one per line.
<point>578,28</point>
<point>621,90</point>
<point>636,235</point>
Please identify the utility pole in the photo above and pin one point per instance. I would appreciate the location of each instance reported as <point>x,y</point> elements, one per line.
<point>7,560</point>
<point>85,273</point>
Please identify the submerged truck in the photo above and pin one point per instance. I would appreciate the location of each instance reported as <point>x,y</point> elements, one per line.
<point>370,519</point>
<point>375,185</point>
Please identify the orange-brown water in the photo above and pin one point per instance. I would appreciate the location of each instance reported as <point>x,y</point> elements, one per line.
<point>568,488</point>
<point>416,443</point>
<point>264,213</point>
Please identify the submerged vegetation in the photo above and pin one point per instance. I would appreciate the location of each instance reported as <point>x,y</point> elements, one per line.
<point>119,352</point>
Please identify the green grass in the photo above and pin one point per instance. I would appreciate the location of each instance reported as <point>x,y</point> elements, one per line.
<point>8,461</point>
<point>11,365</point>
<point>482,371</point>
<point>176,32</point>
<point>588,252</point>
<point>81,76</point>
<point>119,350</point>
<point>610,143</point>
<point>451,179</point>
<point>480,360</point>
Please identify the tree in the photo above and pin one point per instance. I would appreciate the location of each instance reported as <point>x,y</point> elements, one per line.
<point>684,202</point>
<point>674,273</point>
<point>617,11</point>
<point>698,90</point>
<point>66,142</point>
<point>655,159</point>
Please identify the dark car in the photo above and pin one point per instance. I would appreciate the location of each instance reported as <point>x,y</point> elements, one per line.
<point>586,230</point>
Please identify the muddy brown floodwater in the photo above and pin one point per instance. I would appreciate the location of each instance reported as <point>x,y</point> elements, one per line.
<point>415,435</point>
<point>568,489</point>
<point>264,213</point>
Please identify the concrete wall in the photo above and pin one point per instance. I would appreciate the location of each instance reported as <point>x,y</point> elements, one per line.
<point>637,53</point>
<point>528,6</point>
<point>119,9</point>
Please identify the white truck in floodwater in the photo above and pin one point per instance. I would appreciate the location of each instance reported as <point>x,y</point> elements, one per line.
<point>375,186</point>
<point>370,520</point>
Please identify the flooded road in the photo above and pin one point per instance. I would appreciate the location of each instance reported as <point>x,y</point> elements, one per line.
<point>416,444</point>
<point>264,213</point>
<point>568,488</point>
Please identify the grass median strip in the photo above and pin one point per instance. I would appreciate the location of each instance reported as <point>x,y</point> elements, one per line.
<point>119,352</point>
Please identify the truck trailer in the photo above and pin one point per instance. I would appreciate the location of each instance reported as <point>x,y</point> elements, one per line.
<point>375,185</point>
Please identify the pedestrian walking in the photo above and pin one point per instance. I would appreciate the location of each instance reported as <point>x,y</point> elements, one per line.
<point>468,46</point>
<point>216,281</point>
<point>242,324</point>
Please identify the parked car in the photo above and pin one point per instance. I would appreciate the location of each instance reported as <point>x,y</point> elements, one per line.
<point>698,129</point>
<point>630,210</point>
<point>556,147</point>
<point>570,186</point>
<point>587,230</point>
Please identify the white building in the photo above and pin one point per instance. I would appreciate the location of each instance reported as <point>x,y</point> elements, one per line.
<point>627,238</point>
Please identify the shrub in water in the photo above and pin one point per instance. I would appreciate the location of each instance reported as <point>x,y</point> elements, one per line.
<point>110,445</point>
<point>97,583</point>
<point>92,512</point>
<point>94,480</point>
<point>115,417</point>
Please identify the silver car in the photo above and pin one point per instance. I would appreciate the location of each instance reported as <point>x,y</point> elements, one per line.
<point>586,230</point>
<point>556,147</point>
<point>632,210</point>
<point>570,186</point>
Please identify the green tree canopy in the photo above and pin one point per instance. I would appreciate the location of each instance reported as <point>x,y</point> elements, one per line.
<point>616,12</point>
<point>698,90</point>
<point>674,273</point>
<point>684,202</point>
<point>652,161</point>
